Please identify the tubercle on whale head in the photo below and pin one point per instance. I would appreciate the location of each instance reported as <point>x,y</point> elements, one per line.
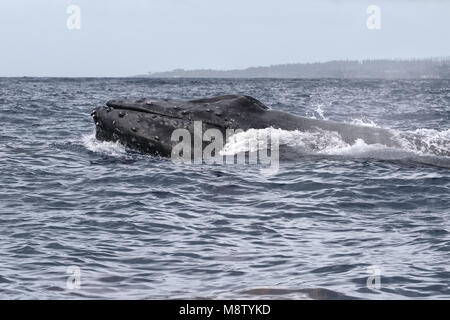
<point>148,124</point>
<point>132,129</point>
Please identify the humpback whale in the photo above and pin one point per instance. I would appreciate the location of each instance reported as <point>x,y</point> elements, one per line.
<point>146,125</point>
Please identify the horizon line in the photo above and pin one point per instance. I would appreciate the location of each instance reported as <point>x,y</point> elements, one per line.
<point>435,58</point>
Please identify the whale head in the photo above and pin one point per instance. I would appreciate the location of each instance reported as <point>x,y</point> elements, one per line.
<point>147,124</point>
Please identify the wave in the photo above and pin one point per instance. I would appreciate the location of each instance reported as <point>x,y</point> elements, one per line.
<point>425,141</point>
<point>318,113</point>
<point>108,148</point>
<point>423,145</point>
<point>428,146</point>
<point>364,122</point>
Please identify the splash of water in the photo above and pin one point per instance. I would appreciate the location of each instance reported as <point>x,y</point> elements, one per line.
<point>425,141</point>
<point>365,122</point>
<point>318,113</point>
<point>256,139</point>
<point>114,149</point>
<point>415,143</point>
<point>418,143</point>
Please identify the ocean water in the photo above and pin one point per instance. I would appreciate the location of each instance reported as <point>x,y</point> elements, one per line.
<point>81,218</point>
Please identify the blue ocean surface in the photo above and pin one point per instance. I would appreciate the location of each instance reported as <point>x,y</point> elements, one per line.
<point>80,218</point>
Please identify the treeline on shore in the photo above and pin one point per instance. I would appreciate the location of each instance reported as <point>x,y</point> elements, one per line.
<point>385,69</point>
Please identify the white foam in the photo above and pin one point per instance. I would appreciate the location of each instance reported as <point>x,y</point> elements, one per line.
<point>422,142</point>
<point>109,148</point>
<point>256,139</point>
<point>250,140</point>
<point>364,122</point>
<point>425,141</point>
<point>360,147</point>
<point>319,113</point>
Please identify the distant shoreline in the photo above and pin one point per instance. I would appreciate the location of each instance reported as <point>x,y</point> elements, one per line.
<point>212,78</point>
<point>381,69</point>
<point>432,68</point>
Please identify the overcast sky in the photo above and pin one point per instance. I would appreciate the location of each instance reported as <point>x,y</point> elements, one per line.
<point>127,37</point>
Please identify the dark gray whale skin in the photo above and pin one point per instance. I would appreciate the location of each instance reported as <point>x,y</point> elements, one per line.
<point>146,125</point>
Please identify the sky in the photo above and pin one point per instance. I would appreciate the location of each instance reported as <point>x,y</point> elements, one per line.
<point>129,37</point>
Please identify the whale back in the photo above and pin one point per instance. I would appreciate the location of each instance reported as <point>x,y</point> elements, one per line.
<point>148,124</point>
